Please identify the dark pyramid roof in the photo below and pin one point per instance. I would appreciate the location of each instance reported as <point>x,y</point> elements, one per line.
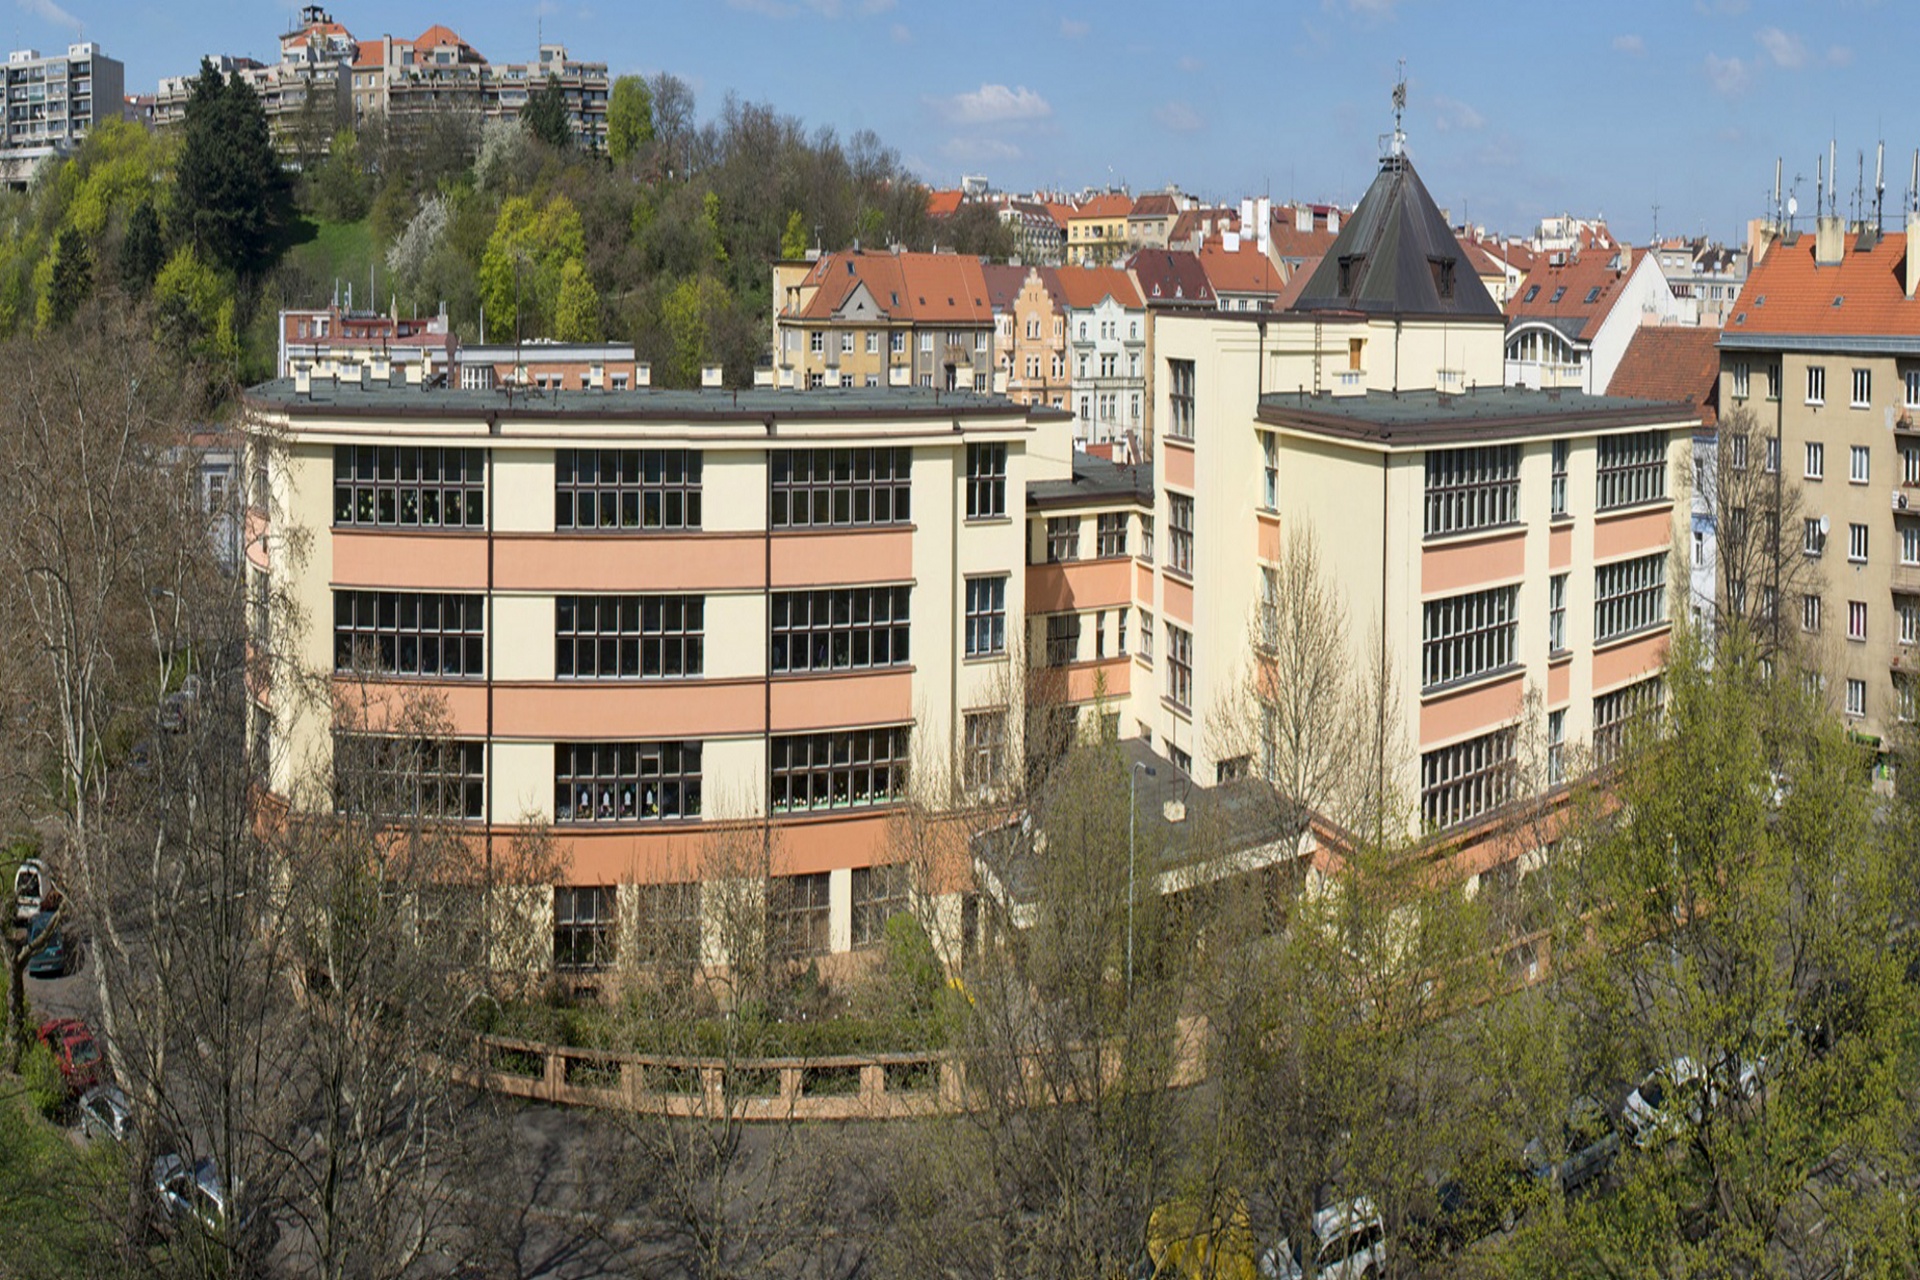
<point>1397,256</point>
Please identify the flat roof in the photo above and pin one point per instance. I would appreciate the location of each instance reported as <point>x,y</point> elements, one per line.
<point>1095,481</point>
<point>395,398</point>
<point>1418,418</point>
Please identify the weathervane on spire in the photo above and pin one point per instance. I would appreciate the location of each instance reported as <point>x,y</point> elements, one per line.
<point>1398,147</point>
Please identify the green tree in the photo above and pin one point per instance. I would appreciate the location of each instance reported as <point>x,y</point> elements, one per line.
<point>141,250</point>
<point>710,228</point>
<point>230,194</point>
<point>577,312</point>
<point>342,188</point>
<point>521,268</point>
<point>72,278</point>
<point>547,117</point>
<point>194,307</point>
<point>793,241</point>
<point>629,118</point>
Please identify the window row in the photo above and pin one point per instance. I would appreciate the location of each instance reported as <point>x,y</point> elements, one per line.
<point>1468,635</point>
<point>813,772</point>
<point>628,637</point>
<point>390,778</point>
<point>1477,488</point>
<point>821,488</point>
<point>409,487</point>
<point>1616,714</point>
<point>1464,781</point>
<point>626,489</point>
<point>409,633</point>
<point>847,628</point>
<point>617,782</point>
<point>1632,469</point>
<point>1629,596</point>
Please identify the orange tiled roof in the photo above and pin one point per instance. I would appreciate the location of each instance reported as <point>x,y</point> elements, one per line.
<point>1061,212</point>
<point>1676,364</point>
<point>942,203</point>
<point>1086,286</point>
<point>1786,293</point>
<point>932,287</point>
<point>371,55</point>
<point>1579,293</point>
<point>1247,270</point>
<point>436,35</point>
<point>1113,205</point>
<point>1296,285</point>
<point>1155,204</point>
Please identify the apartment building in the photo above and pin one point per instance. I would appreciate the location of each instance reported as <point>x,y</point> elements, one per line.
<point>1485,543</point>
<point>53,102</point>
<point>323,341</point>
<point>1823,353</point>
<point>1571,318</point>
<point>1106,354</point>
<point>894,319</point>
<point>653,620</point>
<point>1097,230</point>
<point>1030,334</point>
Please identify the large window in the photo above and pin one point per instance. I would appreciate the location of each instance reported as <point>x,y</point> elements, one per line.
<point>986,616</point>
<point>626,489</point>
<point>628,637</point>
<point>1180,533</point>
<point>1461,782</point>
<point>1472,488</point>
<point>1616,713</point>
<point>879,894</point>
<point>625,781</point>
<point>1270,470</point>
<point>985,745</point>
<point>409,633</point>
<point>1628,596</point>
<point>1180,383</point>
<point>986,481</point>
<point>1633,469</point>
<point>1180,666</point>
<point>820,488</point>
<point>1557,613</point>
<point>1816,384</point>
<point>409,486</point>
<point>819,771</point>
<point>584,927</point>
<point>843,629</point>
<point>799,915</point>
<point>1467,635</point>
<point>1063,639</point>
<point>1112,532</point>
<point>667,923</point>
<point>387,777</point>
<point>1063,539</point>
<point>1559,491</point>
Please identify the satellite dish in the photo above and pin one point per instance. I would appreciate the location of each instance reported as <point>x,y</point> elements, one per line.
<point>1823,526</point>
<point>1793,205</point>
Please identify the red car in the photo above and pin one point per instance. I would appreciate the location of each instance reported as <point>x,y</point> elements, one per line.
<point>76,1053</point>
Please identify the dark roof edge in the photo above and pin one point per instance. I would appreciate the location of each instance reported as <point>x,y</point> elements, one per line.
<point>1449,430</point>
<point>295,407</point>
<point>1900,344</point>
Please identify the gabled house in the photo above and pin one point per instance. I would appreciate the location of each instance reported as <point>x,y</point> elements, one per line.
<point>861,319</point>
<point>1575,312</point>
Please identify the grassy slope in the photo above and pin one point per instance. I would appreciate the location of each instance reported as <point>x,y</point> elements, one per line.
<point>338,251</point>
<point>47,1184</point>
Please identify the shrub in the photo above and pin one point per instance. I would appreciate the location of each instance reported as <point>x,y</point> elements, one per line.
<point>46,1089</point>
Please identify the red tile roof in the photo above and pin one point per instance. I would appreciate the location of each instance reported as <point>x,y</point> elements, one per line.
<point>1086,286</point>
<point>371,54</point>
<point>1246,270</point>
<point>942,203</point>
<point>1579,292</point>
<point>1295,285</point>
<point>1113,205</point>
<point>931,287</point>
<point>1676,364</point>
<point>1170,277</point>
<point>1193,224</point>
<point>436,35</point>
<point>1060,212</point>
<point>1786,293</point>
<point>1155,204</point>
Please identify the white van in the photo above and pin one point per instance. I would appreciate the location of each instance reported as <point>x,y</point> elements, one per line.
<point>1348,1241</point>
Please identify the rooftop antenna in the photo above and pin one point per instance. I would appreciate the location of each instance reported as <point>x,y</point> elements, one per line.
<point>1833,177</point>
<point>1859,185</point>
<point>1819,186</point>
<point>1880,185</point>
<point>1399,145</point>
<point>1776,191</point>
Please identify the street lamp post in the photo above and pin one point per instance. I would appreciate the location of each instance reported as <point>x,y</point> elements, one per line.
<point>1133,781</point>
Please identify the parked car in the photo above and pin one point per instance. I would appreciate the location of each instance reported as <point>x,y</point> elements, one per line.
<point>75,1052</point>
<point>1346,1241</point>
<point>105,1112</point>
<point>177,708</point>
<point>1470,1206</point>
<point>1589,1142</point>
<point>1675,1096</point>
<point>194,1197</point>
<point>31,889</point>
<point>49,955</point>
<point>1187,1240</point>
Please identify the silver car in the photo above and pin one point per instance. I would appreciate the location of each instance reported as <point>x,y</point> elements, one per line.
<point>106,1113</point>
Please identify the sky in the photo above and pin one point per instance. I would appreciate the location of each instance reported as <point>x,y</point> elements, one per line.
<point>1514,112</point>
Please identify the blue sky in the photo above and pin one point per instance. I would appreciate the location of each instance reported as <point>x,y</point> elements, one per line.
<point>1514,111</point>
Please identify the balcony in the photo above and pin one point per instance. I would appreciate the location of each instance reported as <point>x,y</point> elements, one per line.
<point>1906,579</point>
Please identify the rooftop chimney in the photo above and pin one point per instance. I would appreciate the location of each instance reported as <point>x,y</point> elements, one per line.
<point>303,376</point>
<point>643,374</point>
<point>710,375</point>
<point>1829,240</point>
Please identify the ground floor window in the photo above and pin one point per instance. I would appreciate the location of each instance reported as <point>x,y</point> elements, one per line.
<point>584,935</point>
<point>879,894</point>
<point>799,918</point>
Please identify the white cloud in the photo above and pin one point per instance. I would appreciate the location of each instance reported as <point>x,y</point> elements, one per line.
<point>1179,117</point>
<point>1450,115</point>
<point>976,150</point>
<point>993,104</point>
<point>1190,64</point>
<point>51,12</point>
<point>1839,56</point>
<point>1074,28</point>
<point>900,34</point>
<point>1786,50</point>
<point>1631,45</point>
<point>1370,8</point>
<point>1728,75</point>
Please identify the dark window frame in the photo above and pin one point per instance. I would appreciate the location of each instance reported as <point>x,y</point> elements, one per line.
<point>639,781</point>
<point>626,490</point>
